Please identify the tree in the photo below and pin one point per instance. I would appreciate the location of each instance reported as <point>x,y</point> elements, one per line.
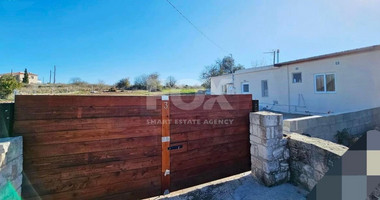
<point>123,83</point>
<point>101,85</point>
<point>77,81</point>
<point>141,82</point>
<point>224,66</point>
<point>171,82</point>
<point>8,84</point>
<point>153,83</point>
<point>208,72</point>
<point>26,77</point>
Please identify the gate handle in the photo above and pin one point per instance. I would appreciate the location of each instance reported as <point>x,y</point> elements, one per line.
<point>175,147</point>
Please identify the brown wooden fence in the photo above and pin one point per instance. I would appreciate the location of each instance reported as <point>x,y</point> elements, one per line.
<point>97,147</point>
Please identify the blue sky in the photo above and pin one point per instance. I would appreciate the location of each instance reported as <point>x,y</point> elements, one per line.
<point>109,40</point>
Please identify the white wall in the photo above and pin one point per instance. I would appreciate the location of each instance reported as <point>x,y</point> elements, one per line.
<point>357,85</point>
<point>277,87</point>
<point>218,82</point>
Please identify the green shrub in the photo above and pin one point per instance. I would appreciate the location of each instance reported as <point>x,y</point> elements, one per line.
<point>8,84</point>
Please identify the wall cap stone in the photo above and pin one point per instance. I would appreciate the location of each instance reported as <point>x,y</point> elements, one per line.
<point>323,144</point>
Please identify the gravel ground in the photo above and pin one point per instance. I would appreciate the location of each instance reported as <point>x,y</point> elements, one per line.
<point>241,186</point>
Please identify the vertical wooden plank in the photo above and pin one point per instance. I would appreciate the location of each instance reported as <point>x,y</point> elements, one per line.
<point>165,119</point>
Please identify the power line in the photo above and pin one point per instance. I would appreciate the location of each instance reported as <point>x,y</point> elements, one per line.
<point>196,28</point>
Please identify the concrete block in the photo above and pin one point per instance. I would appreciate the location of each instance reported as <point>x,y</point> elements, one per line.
<point>255,140</point>
<point>266,118</point>
<point>259,131</point>
<point>256,163</point>
<point>302,124</point>
<point>264,152</point>
<point>271,120</point>
<point>270,132</point>
<point>286,125</point>
<point>255,118</point>
<point>254,150</point>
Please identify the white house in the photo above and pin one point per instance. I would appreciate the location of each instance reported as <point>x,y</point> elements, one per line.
<point>338,82</point>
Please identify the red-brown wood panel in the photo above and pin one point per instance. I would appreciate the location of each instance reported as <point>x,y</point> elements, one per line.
<point>214,133</point>
<point>110,147</point>
<point>90,147</point>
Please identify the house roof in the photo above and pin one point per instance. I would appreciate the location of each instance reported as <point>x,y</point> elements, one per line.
<point>331,55</point>
<point>255,69</point>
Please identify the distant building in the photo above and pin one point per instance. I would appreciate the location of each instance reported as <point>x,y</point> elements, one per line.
<point>33,78</point>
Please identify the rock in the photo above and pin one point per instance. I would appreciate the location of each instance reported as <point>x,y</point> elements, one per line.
<point>277,153</point>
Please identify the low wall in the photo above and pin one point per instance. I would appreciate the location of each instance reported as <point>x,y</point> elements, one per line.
<point>326,127</point>
<point>11,160</point>
<point>297,158</point>
<point>310,158</point>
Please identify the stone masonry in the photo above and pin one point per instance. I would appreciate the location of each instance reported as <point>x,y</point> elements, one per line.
<point>311,158</point>
<point>11,160</point>
<point>269,153</point>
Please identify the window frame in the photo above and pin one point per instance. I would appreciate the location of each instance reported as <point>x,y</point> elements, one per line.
<point>224,91</point>
<point>242,88</point>
<point>324,83</point>
<point>262,88</point>
<point>293,77</point>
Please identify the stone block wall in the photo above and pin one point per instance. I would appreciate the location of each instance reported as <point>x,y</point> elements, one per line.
<point>269,153</point>
<point>11,161</point>
<point>325,127</point>
<point>310,158</point>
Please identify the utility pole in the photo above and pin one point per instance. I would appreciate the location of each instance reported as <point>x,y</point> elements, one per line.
<point>55,70</point>
<point>50,78</point>
<point>278,55</point>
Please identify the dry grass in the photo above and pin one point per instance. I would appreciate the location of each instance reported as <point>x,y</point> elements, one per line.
<point>88,89</point>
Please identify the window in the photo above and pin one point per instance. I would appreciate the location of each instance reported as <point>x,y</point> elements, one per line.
<point>330,82</point>
<point>264,88</point>
<point>320,83</point>
<point>245,88</point>
<point>297,77</point>
<point>324,83</point>
<point>224,89</point>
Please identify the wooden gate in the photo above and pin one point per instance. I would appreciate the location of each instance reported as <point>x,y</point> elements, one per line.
<point>97,147</point>
<point>209,138</point>
<point>89,147</point>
